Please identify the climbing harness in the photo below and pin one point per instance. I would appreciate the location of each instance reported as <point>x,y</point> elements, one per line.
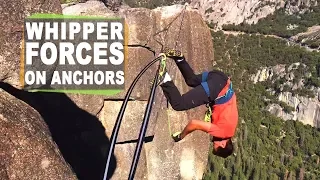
<point>226,97</point>
<point>219,100</point>
<point>204,83</point>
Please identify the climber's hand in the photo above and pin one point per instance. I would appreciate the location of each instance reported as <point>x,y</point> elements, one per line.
<point>173,53</point>
<point>176,136</point>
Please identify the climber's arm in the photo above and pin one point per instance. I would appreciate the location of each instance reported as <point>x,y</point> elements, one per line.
<point>195,125</point>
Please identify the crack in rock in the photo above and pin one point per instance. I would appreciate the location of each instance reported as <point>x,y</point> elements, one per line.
<point>143,46</point>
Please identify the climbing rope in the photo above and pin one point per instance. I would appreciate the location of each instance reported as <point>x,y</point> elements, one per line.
<point>166,29</point>
<point>163,60</point>
<point>146,118</point>
<point>117,125</point>
<point>177,39</point>
<point>180,26</point>
<point>171,65</point>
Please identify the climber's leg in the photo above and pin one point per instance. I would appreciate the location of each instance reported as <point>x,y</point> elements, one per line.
<point>193,98</point>
<point>187,72</point>
<point>190,78</point>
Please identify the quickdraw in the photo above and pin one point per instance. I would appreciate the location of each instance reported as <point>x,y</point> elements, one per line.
<point>207,116</point>
<point>162,68</point>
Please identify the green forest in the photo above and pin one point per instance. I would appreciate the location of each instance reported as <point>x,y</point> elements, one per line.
<point>277,23</point>
<point>266,146</point>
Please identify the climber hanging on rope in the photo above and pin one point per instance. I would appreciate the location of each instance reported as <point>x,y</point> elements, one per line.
<point>212,88</point>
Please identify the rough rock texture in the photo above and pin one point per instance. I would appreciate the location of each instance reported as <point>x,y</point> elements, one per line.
<point>234,11</point>
<point>90,103</point>
<point>222,12</point>
<point>126,152</point>
<point>12,15</point>
<point>132,120</point>
<point>91,8</point>
<point>80,136</point>
<point>161,158</point>
<point>277,110</point>
<point>27,150</point>
<point>114,5</point>
<point>267,73</point>
<point>307,110</point>
<point>310,38</point>
<point>151,4</point>
<point>299,6</point>
<point>280,71</point>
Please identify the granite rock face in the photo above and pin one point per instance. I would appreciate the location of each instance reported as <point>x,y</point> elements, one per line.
<point>310,38</point>
<point>306,110</point>
<point>12,16</point>
<point>220,12</point>
<point>27,149</point>
<point>161,158</point>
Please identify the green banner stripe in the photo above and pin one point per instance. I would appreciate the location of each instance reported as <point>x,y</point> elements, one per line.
<point>92,92</point>
<point>62,16</point>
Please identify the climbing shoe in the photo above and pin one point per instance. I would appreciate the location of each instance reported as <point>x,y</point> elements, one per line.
<point>174,54</point>
<point>176,136</point>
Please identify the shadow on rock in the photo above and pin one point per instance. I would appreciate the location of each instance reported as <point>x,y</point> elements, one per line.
<point>79,135</point>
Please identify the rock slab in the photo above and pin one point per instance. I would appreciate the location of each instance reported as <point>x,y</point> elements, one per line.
<point>27,150</point>
<point>12,16</point>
